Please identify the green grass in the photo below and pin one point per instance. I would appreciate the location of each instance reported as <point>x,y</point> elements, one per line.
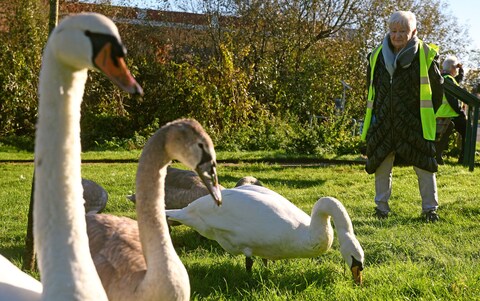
<point>8,153</point>
<point>406,258</point>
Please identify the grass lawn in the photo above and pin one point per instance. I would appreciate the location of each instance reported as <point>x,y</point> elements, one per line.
<point>406,258</point>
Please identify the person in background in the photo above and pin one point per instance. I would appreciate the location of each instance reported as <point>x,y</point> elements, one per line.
<point>451,109</point>
<point>476,90</point>
<point>405,90</point>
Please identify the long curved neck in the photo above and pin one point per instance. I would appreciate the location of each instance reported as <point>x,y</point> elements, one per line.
<point>66,270</point>
<point>165,272</point>
<point>326,207</point>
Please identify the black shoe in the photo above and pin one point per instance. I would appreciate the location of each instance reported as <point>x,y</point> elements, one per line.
<point>440,161</point>
<point>380,214</point>
<point>431,216</point>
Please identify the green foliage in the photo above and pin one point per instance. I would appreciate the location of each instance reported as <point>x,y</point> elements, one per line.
<point>25,142</point>
<point>20,52</point>
<point>260,133</point>
<point>252,89</point>
<point>454,145</point>
<point>327,136</point>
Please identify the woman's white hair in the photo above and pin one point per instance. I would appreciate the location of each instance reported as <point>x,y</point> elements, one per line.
<point>404,18</point>
<point>449,62</point>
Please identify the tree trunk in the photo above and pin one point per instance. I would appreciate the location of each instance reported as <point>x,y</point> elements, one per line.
<point>53,19</point>
<point>29,256</point>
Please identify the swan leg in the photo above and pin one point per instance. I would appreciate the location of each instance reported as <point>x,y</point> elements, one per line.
<point>248,264</point>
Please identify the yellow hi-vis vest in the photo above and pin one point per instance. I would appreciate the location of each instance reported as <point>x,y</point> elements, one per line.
<point>427,113</point>
<point>445,109</point>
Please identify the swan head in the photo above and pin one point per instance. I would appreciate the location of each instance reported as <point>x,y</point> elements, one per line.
<point>92,41</point>
<point>192,146</point>
<point>352,253</point>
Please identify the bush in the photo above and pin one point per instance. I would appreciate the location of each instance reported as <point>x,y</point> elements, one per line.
<point>20,53</point>
<point>261,133</point>
<point>330,135</point>
<point>105,131</point>
<point>25,142</point>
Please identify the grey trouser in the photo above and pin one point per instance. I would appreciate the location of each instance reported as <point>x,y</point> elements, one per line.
<point>427,184</point>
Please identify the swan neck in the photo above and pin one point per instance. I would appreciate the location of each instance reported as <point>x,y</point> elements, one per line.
<point>60,234</point>
<point>160,256</point>
<point>328,207</point>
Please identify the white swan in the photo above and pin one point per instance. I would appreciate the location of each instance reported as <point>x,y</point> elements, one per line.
<point>256,221</point>
<point>137,261</point>
<point>16,285</point>
<point>67,271</point>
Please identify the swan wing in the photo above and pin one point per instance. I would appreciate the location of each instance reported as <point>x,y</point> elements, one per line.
<point>248,222</point>
<point>116,250</point>
<point>16,285</point>
<point>263,190</point>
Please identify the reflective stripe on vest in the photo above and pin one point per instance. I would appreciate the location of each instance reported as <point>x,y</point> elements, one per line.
<point>445,109</point>
<point>427,113</point>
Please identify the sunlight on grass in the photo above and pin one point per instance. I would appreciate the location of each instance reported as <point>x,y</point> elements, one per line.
<point>406,258</point>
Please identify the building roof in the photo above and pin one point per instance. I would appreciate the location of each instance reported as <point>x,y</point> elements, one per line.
<point>148,17</point>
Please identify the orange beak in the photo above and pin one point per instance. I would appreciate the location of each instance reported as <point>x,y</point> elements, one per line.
<point>357,275</point>
<point>117,71</point>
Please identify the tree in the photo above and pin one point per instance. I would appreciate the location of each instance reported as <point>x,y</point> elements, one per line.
<point>267,66</point>
<point>53,16</point>
<point>20,52</point>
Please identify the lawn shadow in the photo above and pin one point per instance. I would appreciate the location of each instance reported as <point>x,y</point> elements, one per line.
<point>13,253</point>
<point>274,181</point>
<point>186,239</point>
<point>232,281</point>
<point>225,274</point>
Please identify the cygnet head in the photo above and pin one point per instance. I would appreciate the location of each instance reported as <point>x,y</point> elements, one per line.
<point>189,143</point>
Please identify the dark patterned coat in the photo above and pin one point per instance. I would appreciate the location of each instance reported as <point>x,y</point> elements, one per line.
<point>396,125</point>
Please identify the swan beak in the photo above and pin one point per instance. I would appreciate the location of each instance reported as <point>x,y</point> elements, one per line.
<point>116,70</point>
<point>208,174</point>
<point>357,274</point>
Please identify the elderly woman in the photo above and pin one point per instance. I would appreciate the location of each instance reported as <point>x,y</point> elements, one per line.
<point>451,108</point>
<point>405,90</point>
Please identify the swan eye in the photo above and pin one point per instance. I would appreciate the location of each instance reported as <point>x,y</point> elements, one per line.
<point>99,40</point>
<point>206,157</point>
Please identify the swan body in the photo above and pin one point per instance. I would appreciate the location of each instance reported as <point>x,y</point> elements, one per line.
<point>256,221</point>
<point>95,196</point>
<point>184,186</point>
<point>78,43</point>
<point>136,260</point>
<point>181,188</point>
